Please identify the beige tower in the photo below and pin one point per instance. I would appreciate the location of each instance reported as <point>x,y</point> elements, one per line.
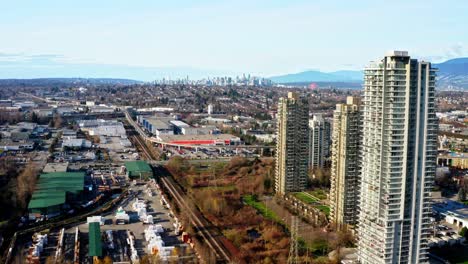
<point>344,192</point>
<point>292,144</point>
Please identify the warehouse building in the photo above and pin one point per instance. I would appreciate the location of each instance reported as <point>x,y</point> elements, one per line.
<point>95,243</point>
<point>100,127</point>
<point>54,191</point>
<point>178,126</point>
<point>158,127</point>
<point>138,169</point>
<point>209,140</point>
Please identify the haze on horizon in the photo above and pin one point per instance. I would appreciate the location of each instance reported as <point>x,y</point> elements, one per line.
<point>146,39</point>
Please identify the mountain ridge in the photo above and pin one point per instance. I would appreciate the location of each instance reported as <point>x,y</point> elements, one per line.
<point>452,73</point>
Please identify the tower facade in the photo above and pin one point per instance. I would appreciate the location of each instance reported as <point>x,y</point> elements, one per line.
<point>319,140</point>
<point>399,151</point>
<point>345,166</point>
<point>292,144</point>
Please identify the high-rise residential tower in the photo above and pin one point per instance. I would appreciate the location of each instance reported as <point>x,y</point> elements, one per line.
<point>319,141</point>
<point>345,166</point>
<point>399,151</point>
<point>292,144</point>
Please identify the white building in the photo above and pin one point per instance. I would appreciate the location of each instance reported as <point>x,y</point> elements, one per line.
<point>399,149</point>
<point>101,109</point>
<point>76,143</point>
<point>102,127</point>
<point>8,145</point>
<point>210,109</point>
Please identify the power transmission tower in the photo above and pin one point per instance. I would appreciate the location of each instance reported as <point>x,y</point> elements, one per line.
<point>294,249</point>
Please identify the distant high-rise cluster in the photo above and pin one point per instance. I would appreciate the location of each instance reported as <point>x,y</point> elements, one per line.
<point>292,144</point>
<point>220,81</point>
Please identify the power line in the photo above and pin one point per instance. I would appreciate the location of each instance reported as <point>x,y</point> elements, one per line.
<point>294,247</point>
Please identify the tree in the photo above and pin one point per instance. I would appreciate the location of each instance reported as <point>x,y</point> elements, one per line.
<point>107,260</point>
<point>267,183</point>
<point>464,232</point>
<point>57,121</point>
<point>175,255</point>
<point>461,195</point>
<point>34,118</point>
<point>319,177</point>
<point>177,164</point>
<point>26,182</point>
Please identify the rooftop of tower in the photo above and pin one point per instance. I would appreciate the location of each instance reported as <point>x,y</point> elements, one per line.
<point>397,53</point>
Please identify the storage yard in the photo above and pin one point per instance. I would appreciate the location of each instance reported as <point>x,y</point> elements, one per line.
<point>150,228</point>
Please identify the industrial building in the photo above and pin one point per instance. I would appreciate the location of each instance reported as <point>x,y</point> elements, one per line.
<point>178,126</point>
<point>399,151</point>
<point>209,139</point>
<point>101,109</point>
<point>216,120</point>
<point>77,143</point>
<point>54,190</point>
<point>157,125</point>
<point>8,145</point>
<point>138,169</point>
<point>455,213</point>
<point>204,130</point>
<point>95,243</point>
<point>345,167</point>
<point>102,127</point>
<point>292,153</point>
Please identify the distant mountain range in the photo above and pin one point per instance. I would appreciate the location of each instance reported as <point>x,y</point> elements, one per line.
<point>318,76</point>
<point>41,82</point>
<point>452,74</point>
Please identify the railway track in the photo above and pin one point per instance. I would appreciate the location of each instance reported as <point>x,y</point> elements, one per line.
<point>143,147</point>
<point>198,221</point>
<point>213,241</point>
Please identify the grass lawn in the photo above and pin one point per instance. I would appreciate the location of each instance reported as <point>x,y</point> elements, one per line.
<point>455,254</point>
<point>259,206</point>
<point>319,193</point>
<point>305,197</point>
<point>318,248</point>
<point>324,209</point>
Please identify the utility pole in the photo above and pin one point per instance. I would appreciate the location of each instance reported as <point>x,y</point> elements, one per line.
<point>294,250</point>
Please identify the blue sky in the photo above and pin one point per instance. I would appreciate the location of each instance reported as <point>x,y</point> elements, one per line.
<point>113,38</point>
